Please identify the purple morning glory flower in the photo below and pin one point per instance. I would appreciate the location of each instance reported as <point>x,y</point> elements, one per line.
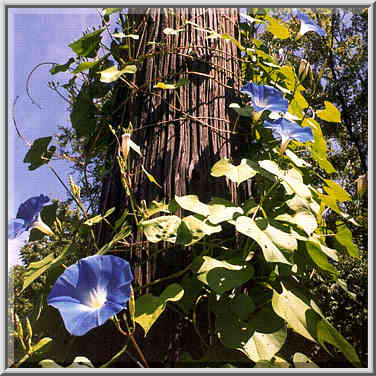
<point>287,130</point>
<point>27,214</point>
<point>306,24</point>
<point>91,291</point>
<point>265,97</point>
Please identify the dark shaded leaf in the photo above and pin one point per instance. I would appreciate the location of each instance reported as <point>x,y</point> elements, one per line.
<point>61,67</point>
<point>88,45</point>
<point>38,154</point>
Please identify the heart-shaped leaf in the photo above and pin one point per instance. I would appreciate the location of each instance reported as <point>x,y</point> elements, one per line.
<point>330,113</point>
<point>219,275</point>
<point>161,228</point>
<point>150,307</point>
<point>248,227</point>
<point>244,171</point>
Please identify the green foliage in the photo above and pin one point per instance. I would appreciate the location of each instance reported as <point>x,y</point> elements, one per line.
<point>330,113</point>
<point>221,276</point>
<point>88,45</point>
<point>112,74</point>
<point>237,174</point>
<point>38,154</point>
<point>149,307</point>
<point>61,67</point>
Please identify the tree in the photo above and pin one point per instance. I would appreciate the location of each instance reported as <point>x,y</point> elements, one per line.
<point>181,132</point>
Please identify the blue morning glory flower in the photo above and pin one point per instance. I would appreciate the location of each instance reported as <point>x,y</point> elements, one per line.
<point>306,24</point>
<point>27,214</point>
<point>91,291</point>
<point>265,97</point>
<point>287,130</point>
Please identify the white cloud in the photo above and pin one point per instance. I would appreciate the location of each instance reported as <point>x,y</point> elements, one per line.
<point>14,249</point>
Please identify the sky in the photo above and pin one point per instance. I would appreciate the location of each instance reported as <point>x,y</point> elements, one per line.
<point>37,35</point>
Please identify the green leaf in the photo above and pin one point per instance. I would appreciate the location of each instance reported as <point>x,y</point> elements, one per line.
<point>221,357</point>
<point>248,227</point>
<point>290,77</point>
<point>236,334</point>
<point>343,285</point>
<point>290,179</point>
<point>302,361</point>
<point>275,362</point>
<point>335,190</point>
<point>344,237</point>
<point>48,363</point>
<point>122,35</point>
<point>219,275</point>
<point>83,114</point>
<point>61,67</point>
<point>192,290</point>
<point>37,268</point>
<point>295,159</point>
<point>197,230</point>
<point>304,219</point>
<point>293,310</point>
<point>88,45</point>
<point>308,321</point>
<point>156,207</point>
<point>244,171</point>
<point>332,253</point>
<point>112,74</point>
<point>85,66</point>
<point>81,362</point>
<point>298,204</point>
<point>150,307</point>
<point>220,212</point>
<point>170,31</point>
<point>193,204</point>
<point>41,344</point>
<point>226,37</point>
<point>78,362</point>
<point>251,19</point>
<point>38,154</point>
<point>109,11</point>
<point>242,306</point>
<point>245,111</point>
<point>319,148</point>
<point>135,147</point>
<point>319,258</point>
<point>150,176</point>
<point>98,218</point>
<point>327,333</point>
<point>277,29</point>
<point>161,228</point>
<point>283,239</point>
<point>330,113</point>
<point>177,85</point>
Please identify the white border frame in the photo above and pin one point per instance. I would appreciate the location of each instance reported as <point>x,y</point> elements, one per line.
<point>210,3</point>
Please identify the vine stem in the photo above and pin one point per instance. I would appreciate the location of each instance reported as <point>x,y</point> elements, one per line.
<point>115,357</point>
<point>135,344</point>
<point>130,335</point>
<point>177,274</point>
<point>77,202</point>
<point>28,82</point>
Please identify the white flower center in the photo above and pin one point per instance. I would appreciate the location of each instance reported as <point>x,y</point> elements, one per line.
<point>97,298</point>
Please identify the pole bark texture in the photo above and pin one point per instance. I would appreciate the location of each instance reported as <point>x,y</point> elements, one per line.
<point>181,132</point>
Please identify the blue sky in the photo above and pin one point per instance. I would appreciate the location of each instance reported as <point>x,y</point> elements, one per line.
<point>36,36</point>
